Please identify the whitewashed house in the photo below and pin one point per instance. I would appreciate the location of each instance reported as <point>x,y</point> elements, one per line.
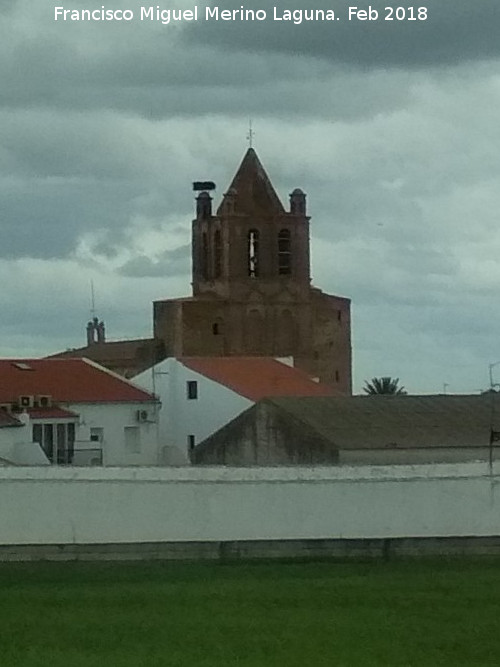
<point>199,395</point>
<point>79,412</point>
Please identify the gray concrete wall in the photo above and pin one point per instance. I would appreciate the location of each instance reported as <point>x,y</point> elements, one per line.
<point>389,548</point>
<point>265,436</point>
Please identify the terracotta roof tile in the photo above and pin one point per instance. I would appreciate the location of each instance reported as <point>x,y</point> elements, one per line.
<point>257,377</point>
<point>66,380</point>
<point>51,413</point>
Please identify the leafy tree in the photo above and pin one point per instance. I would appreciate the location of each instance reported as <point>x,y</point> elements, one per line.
<point>386,385</point>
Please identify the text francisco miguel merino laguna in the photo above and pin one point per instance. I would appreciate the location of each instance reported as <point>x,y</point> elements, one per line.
<point>166,16</point>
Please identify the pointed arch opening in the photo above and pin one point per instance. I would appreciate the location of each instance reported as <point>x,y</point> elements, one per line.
<point>217,254</point>
<point>253,253</point>
<point>284,252</point>
<point>204,256</point>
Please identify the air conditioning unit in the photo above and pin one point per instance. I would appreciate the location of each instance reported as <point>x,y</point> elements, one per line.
<point>43,401</point>
<point>142,415</point>
<point>26,401</point>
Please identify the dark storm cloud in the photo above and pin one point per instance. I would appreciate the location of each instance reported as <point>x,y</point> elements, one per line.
<point>455,31</point>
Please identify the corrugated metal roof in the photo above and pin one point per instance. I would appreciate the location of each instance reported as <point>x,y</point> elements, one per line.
<point>358,422</point>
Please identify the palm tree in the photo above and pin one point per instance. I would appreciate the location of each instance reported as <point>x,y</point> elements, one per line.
<point>387,385</point>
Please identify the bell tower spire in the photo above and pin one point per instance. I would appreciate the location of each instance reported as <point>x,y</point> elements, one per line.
<point>251,242</point>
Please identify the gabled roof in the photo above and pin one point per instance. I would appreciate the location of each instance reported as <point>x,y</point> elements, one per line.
<point>256,377</point>
<point>126,357</point>
<point>66,380</point>
<point>313,430</point>
<point>253,192</point>
<point>374,422</point>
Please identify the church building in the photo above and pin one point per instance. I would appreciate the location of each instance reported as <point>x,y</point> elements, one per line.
<point>252,293</point>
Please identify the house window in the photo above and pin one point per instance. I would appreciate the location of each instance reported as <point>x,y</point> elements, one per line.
<point>284,254</point>
<point>132,439</point>
<point>339,315</point>
<point>215,329</point>
<point>57,441</point>
<point>253,253</point>
<point>192,389</point>
<point>96,435</point>
<point>337,376</point>
<point>38,434</point>
<point>191,442</point>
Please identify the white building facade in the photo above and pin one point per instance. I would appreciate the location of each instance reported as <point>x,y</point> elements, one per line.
<point>192,407</point>
<point>75,412</point>
<point>200,395</point>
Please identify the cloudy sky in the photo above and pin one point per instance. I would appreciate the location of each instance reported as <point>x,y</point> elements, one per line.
<point>392,129</point>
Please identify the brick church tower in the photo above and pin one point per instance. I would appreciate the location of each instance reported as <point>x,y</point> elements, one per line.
<point>251,285</point>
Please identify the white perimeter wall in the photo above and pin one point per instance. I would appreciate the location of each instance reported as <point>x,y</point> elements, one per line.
<point>215,406</point>
<point>103,505</point>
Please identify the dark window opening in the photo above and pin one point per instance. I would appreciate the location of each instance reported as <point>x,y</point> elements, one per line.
<point>215,329</point>
<point>37,433</point>
<point>48,441</point>
<point>192,389</point>
<point>253,253</point>
<point>339,315</point>
<point>191,442</point>
<point>217,254</point>
<point>337,376</point>
<point>284,252</point>
<point>204,256</point>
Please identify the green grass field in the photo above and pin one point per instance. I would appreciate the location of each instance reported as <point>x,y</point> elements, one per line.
<point>426,613</point>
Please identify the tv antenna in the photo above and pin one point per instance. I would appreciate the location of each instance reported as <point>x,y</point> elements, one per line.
<point>92,300</point>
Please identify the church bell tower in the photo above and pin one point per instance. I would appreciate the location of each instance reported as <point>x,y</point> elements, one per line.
<point>252,293</point>
<point>251,242</point>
